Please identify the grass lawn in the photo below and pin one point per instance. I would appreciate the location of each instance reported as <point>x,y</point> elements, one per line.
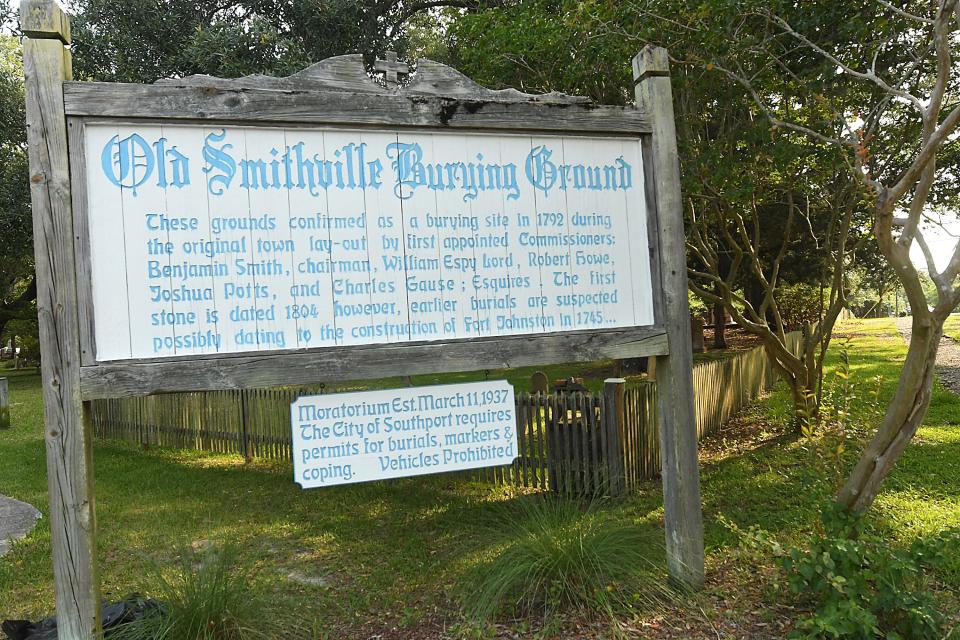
<point>391,552</point>
<point>952,326</point>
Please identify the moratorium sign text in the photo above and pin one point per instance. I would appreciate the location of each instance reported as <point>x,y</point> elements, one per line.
<point>374,435</point>
<point>209,240</point>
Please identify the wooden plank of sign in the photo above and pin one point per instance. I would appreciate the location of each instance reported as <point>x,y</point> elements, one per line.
<point>116,100</point>
<point>653,228</point>
<point>290,367</point>
<point>67,424</point>
<point>81,228</point>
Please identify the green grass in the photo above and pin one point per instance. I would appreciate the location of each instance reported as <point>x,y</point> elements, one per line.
<point>206,598</point>
<point>393,552</point>
<point>561,557</point>
<point>951,327</point>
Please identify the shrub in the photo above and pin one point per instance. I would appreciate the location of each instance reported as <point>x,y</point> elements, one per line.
<point>863,589</point>
<point>799,303</point>
<point>207,598</point>
<point>561,557</point>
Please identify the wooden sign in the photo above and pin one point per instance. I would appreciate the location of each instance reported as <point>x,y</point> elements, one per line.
<point>204,234</point>
<point>216,240</point>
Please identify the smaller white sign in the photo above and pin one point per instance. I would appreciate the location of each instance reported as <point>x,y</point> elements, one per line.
<point>375,435</point>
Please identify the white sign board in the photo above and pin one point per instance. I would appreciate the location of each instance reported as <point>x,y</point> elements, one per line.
<point>211,240</point>
<point>374,435</point>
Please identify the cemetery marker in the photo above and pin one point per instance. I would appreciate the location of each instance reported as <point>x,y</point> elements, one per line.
<point>385,231</point>
<point>391,68</point>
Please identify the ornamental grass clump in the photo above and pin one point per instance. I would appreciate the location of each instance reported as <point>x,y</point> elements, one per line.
<point>560,557</point>
<point>208,597</point>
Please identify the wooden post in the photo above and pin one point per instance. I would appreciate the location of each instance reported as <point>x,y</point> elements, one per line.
<point>614,416</point>
<point>47,64</point>
<point>678,428</point>
<point>4,404</point>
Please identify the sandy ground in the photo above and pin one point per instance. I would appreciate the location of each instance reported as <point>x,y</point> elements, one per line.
<point>948,357</point>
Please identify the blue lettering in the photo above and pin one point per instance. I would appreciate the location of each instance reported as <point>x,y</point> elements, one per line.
<point>127,163</point>
<point>407,166</point>
<point>541,172</point>
<point>218,160</point>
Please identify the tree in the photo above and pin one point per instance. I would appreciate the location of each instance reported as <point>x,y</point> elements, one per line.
<point>17,284</point>
<point>143,40</point>
<point>900,145</point>
<point>764,209</point>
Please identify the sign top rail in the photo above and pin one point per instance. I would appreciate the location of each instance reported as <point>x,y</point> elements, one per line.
<point>339,91</point>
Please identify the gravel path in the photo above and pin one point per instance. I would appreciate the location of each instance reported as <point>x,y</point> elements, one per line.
<point>17,519</point>
<point>948,357</point>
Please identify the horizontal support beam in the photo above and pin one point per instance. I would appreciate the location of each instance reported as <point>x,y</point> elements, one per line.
<point>305,366</point>
<point>202,103</point>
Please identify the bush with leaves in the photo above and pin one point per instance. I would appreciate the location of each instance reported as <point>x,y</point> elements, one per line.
<point>799,303</point>
<point>861,588</point>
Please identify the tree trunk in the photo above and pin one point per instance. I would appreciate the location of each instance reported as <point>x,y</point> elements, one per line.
<point>799,378</point>
<point>902,419</point>
<point>719,326</point>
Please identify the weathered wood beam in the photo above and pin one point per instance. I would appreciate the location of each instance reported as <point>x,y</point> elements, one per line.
<point>67,429</point>
<point>210,103</point>
<point>290,367</point>
<point>615,417</point>
<point>43,19</point>
<point>678,428</point>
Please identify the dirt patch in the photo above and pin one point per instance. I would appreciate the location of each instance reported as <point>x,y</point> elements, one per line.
<point>737,339</point>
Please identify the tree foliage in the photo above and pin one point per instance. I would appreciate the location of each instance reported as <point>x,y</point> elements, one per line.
<point>766,208</point>
<point>17,287</point>
<point>143,40</point>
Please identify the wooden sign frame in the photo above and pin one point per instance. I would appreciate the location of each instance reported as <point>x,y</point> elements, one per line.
<point>334,93</point>
<point>366,104</point>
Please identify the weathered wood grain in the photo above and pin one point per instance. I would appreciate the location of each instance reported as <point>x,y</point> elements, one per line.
<point>653,228</point>
<point>67,432</point>
<point>238,105</point>
<point>44,19</point>
<point>81,228</point>
<point>436,79</point>
<point>339,73</point>
<point>614,418</point>
<point>347,73</point>
<point>678,428</point>
<point>133,377</point>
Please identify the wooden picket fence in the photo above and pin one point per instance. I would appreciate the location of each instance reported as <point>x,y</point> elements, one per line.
<point>254,423</point>
<point>567,443</point>
<point>563,445</point>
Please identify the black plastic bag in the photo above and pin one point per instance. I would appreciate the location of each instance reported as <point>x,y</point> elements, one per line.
<point>131,608</point>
